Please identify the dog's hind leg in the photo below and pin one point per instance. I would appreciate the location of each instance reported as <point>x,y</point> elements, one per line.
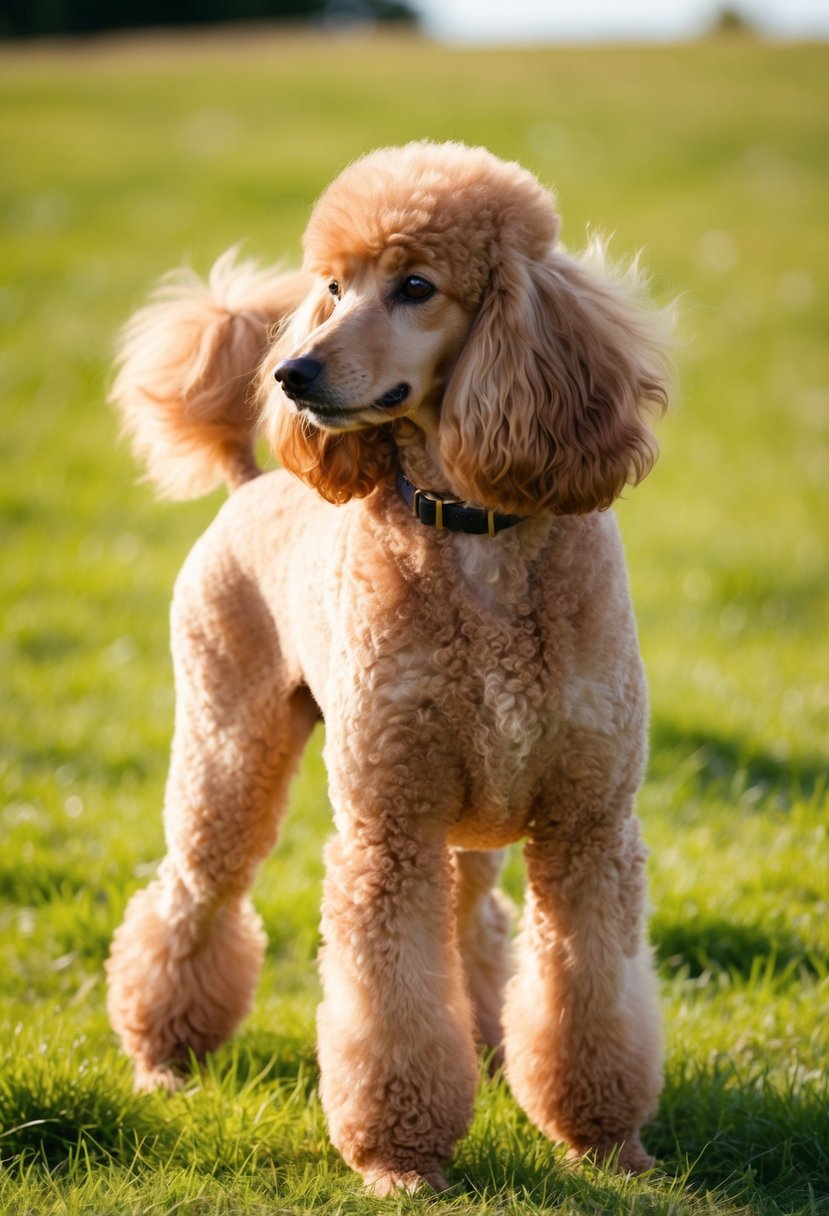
<point>185,961</point>
<point>484,921</point>
<point>582,1028</point>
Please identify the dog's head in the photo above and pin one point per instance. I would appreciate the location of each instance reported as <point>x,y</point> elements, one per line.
<point>442,298</point>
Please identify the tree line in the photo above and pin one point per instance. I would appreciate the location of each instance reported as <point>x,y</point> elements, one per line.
<point>35,18</point>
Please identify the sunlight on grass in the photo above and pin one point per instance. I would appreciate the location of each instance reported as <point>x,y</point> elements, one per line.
<point>125,159</point>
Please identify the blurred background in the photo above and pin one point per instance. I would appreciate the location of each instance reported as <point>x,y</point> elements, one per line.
<point>452,20</point>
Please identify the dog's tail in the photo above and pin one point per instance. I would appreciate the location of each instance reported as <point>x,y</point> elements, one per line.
<point>186,367</point>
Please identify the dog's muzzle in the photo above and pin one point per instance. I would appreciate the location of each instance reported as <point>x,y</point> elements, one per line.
<point>298,376</point>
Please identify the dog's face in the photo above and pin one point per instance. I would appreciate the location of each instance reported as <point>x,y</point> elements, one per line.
<point>443,299</point>
<point>390,331</point>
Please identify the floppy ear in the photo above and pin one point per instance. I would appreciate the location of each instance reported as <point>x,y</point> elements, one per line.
<point>547,405</point>
<point>339,465</point>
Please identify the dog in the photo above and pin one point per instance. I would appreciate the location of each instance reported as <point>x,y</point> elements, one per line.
<point>455,402</point>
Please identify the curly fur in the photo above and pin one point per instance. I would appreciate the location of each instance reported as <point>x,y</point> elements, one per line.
<point>183,384</point>
<point>475,690</point>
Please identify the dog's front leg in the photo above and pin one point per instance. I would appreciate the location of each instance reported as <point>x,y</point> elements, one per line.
<point>583,1041</point>
<point>185,961</point>
<point>398,1066</point>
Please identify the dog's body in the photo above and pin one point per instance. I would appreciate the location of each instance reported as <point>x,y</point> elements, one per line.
<point>475,689</point>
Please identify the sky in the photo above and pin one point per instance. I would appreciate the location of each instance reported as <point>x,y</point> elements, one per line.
<point>556,20</point>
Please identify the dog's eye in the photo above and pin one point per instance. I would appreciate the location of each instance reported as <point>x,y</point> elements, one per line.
<point>335,289</point>
<point>416,288</point>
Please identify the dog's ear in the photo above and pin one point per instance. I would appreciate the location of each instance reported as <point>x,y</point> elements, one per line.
<point>547,406</point>
<point>339,465</point>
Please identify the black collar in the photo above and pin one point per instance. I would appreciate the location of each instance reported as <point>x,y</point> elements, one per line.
<point>451,513</point>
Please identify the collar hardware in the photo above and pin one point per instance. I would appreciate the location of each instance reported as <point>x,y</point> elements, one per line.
<point>453,514</point>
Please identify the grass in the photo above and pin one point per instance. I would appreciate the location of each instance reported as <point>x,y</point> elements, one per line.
<point>123,159</point>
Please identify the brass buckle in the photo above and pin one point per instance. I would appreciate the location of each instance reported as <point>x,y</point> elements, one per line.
<point>428,494</point>
<point>439,502</point>
<point>490,521</point>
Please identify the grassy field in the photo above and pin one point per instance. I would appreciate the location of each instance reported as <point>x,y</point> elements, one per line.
<point>122,160</point>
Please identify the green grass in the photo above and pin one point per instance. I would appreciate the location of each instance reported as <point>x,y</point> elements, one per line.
<point>121,161</point>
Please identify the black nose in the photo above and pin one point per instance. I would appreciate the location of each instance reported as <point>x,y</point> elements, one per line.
<point>297,375</point>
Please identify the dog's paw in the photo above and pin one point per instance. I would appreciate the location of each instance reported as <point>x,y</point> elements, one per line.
<point>633,1159</point>
<point>382,1183</point>
<point>629,1157</point>
<point>161,1076</point>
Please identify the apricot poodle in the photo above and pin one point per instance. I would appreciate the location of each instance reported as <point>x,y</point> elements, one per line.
<point>455,401</point>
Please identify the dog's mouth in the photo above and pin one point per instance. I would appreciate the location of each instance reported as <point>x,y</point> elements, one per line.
<point>332,413</point>
<point>394,396</point>
<point>320,409</point>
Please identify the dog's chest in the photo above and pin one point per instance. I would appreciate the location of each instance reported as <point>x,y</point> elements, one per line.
<point>474,677</point>
<point>495,701</point>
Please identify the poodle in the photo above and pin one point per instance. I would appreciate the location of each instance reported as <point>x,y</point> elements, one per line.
<point>454,401</point>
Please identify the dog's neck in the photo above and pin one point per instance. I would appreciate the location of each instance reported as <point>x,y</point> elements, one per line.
<point>419,460</point>
<point>428,492</point>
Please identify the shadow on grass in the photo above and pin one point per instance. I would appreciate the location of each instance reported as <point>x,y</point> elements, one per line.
<point>259,1057</point>
<point>747,1134</point>
<point>50,879</point>
<point>755,1142</point>
<point>721,763</point>
<point>51,1115</point>
<point>49,1119</point>
<point>714,945</point>
<point>747,1138</point>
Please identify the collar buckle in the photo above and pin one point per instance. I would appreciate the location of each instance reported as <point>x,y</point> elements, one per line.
<point>452,514</point>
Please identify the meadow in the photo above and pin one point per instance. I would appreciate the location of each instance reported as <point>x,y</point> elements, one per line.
<point>122,159</point>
